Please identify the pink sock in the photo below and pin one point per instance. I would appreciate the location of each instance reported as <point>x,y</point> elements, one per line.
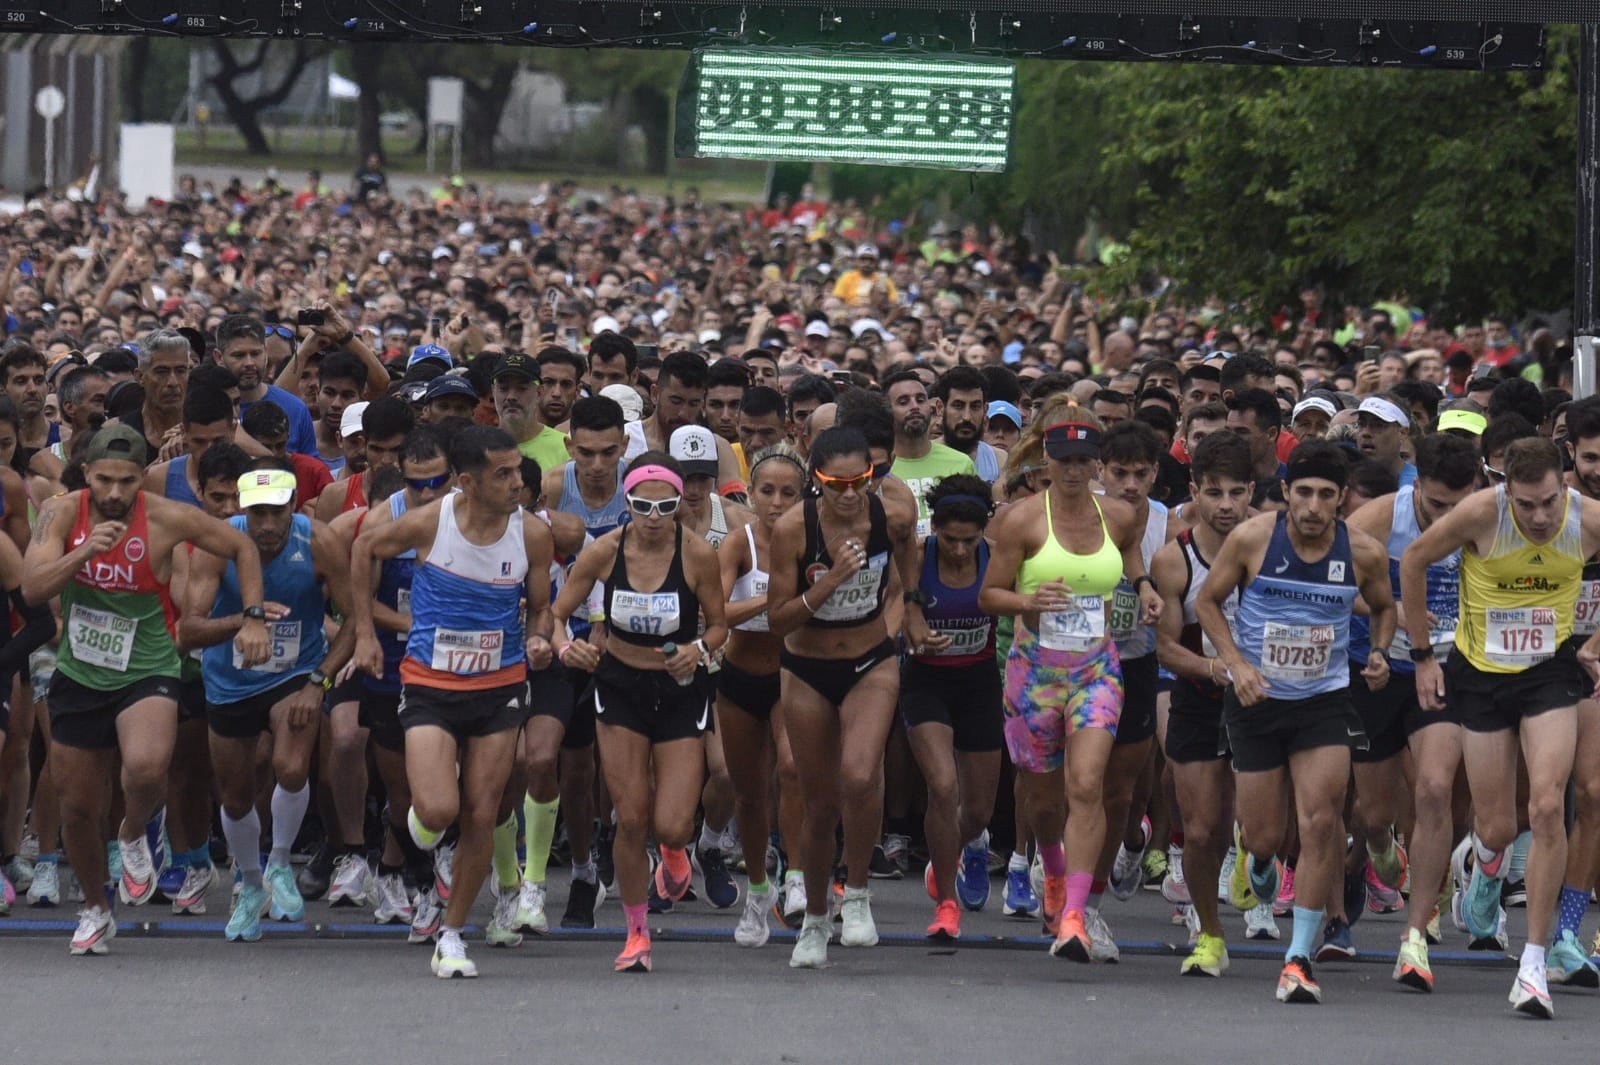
<point>636,916</point>
<point>1053,858</point>
<point>1078,891</point>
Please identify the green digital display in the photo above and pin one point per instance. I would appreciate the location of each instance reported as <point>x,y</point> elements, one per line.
<point>796,105</point>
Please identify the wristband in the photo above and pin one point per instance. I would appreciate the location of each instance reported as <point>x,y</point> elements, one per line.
<point>1143,578</point>
<point>561,655</point>
<point>342,341</point>
<point>806,603</point>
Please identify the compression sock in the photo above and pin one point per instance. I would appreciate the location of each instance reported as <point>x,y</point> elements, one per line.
<point>1307,927</point>
<point>636,917</point>
<point>1519,856</point>
<point>540,818</point>
<point>1078,885</point>
<point>1053,858</point>
<point>420,834</point>
<point>1569,912</point>
<point>244,840</point>
<point>506,870</point>
<point>288,810</point>
<point>1263,881</point>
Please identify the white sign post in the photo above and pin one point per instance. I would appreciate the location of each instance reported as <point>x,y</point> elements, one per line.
<point>50,102</point>
<point>445,99</point>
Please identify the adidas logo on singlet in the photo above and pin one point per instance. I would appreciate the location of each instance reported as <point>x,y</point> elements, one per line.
<point>1536,560</point>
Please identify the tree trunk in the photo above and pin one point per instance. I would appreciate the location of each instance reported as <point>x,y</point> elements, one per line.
<point>366,60</point>
<point>138,63</point>
<point>484,106</point>
<point>245,112</point>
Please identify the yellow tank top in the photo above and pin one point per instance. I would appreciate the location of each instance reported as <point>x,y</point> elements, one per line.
<point>1518,600</point>
<point>1094,574</point>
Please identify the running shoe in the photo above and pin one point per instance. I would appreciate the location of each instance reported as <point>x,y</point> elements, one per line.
<point>1594,951</point>
<point>881,867</point>
<point>1355,896</point>
<point>1020,900</point>
<point>1155,868</point>
<point>137,884</point>
<point>1336,943</point>
<point>928,881</point>
<point>8,894</point>
<point>393,904</point>
<point>46,887</point>
<point>897,849</point>
<point>444,868</point>
<point>244,923</point>
<point>450,959</point>
<point>1431,932</point>
<point>1055,900</point>
<point>753,929</point>
<point>113,862</point>
<point>529,915</point>
<point>1036,876</point>
<point>19,870</point>
<point>790,907</point>
<point>635,956</point>
<point>1394,871</point>
<point>1411,964</point>
<point>859,928</point>
<point>946,926</point>
<point>583,899</point>
<point>1127,871</point>
<point>352,881</point>
<point>1238,883</point>
<point>972,878</point>
<point>1191,922</point>
<point>191,896</point>
<point>96,929</point>
<point>1514,894</point>
<point>502,927</point>
<point>287,905</point>
<point>1531,994</point>
<point>671,887</point>
<point>1381,898</point>
<point>1259,923</point>
<point>1483,895</point>
<point>1566,963</point>
<point>30,846</point>
<point>1102,946</point>
<point>1208,958</point>
<point>317,874</point>
<point>1230,867</point>
<point>811,945</point>
<point>1460,874</point>
<point>170,882</point>
<point>426,916</point>
<point>155,835</point>
<point>721,892</point>
<point>1495,941</point>
<point>1173,887</point>
<point>1297,983</point>
<point>1283,905</point>
<point>1072,939</point>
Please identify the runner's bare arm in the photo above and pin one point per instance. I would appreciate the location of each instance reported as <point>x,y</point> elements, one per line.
<point>196,627</point>
<point>413,531</point>
<point>1372,576</point>
<point>1007,549</point>
<point>332,569</point>
<point>539,543</point>
<point>47,565</point>
<point>707,578</point>
<point>1463,527</point>
<point>1229,570</point>
<point>594,562</point>
<point>1167,570</point>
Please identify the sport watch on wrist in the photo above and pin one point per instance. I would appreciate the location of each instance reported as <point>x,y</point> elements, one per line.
<point>320,679</point>
<point>255,613</point>
<point>1421,654</point>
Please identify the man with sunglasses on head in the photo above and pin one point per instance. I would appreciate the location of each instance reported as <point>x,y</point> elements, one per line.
<point>464,684</point>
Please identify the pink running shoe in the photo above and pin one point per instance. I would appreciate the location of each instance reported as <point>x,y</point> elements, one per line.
<point>1284,903</point>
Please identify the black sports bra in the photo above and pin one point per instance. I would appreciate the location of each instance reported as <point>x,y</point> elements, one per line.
<point>859,599</point>
<point>671,613</point>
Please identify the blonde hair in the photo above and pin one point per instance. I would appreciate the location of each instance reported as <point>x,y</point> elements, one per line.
<point>1028,454</point>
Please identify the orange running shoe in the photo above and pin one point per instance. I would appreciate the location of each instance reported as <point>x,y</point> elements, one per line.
<point>1055,900</point>
<point>635,956</point>
<point>1072,938</point>
<point>674,874</point>
<point>946,926</point>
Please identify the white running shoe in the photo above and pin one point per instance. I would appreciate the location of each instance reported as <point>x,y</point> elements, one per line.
<point>426,916</point>
<point>46,887</point>
<point>1531,994</point>
<point>792,897</point>
<point>1127,873</point>
<point>1173,887</point>
<point>811,945</point>
<point>352,881</point>
<point>444,866</point>
<point>753,928</point>
<point>530,915</point>
<point>502,926</point>
<point>1259,923</point>
<point>394,905</point>
<point>1101,946</point>
<point>137,884</point>
<point>859,929</point>
<point>96,929</point>
<point>191,897</point>
<point>1226,875</point>
<point>1192,920</point>
<point>450,958</point>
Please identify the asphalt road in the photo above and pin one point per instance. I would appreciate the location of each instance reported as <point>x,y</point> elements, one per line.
<point>339,989</point>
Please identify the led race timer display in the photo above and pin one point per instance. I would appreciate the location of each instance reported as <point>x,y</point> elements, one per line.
<point>789,105</point>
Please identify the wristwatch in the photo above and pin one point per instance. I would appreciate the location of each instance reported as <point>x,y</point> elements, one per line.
<point>1421,654</point>
<point>1142,579</point>
<point>349,335</point>
<point>255,613</point>
<point>320,679</point>
<point>917,596</point>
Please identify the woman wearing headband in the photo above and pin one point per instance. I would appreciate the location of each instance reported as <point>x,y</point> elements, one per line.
<point>1058,557</point>
<point>652,701</point>
<point>825,596</point>
<point>753,736</point>
<point>950,702</point>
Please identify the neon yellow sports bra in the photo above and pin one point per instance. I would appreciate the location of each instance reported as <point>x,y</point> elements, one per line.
<point>1095,574</point>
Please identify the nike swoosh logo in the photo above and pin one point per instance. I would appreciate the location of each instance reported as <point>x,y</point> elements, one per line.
<point>705,715</point>
<point>1284,565</point>
<point>864,666</point>
<point>1354,735</point>
<point>599,707</point>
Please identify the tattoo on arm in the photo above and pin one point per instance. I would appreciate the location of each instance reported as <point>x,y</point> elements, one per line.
<point>41,530</point>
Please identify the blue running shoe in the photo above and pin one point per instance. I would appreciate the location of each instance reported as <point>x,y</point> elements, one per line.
<point>721,891</point>
<point>1336,944</point>
<point>113,861</point>
<point>287,905</point>
<point>1020,899</point>
<point>155,833</point>
<point>245,921</point>
<point>972,878</point>
<point>1483,902</point>
<point>1566,963</point>
<point>170,882</point>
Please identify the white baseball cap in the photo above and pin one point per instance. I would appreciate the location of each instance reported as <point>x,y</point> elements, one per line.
<point>605,324</point>
<point>627,397</point>
<point>1379,407</point>
<point>695,449</point>
<point>350,421</point>
<point>818,329</point>
<point>1313,403</point>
